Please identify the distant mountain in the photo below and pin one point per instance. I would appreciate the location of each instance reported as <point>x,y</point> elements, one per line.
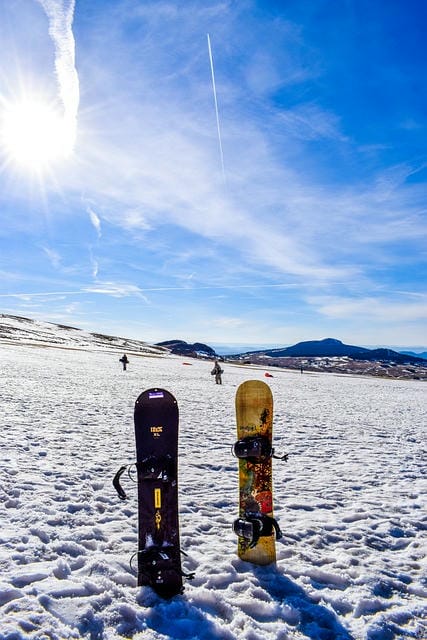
<point>330,347</point>
<point>182,348</point>
<point>417,355</point>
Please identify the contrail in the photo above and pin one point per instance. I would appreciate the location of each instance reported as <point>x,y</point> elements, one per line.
<point>60,14</point>
<point>112,289</point>
<point>216,107</point>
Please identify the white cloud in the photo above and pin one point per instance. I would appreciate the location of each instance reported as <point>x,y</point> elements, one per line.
<point>116,290</point>
<point>370,308</point>
<point>310,122</point>
<point>95,267</point>
<point>54,257</point>
<point>95,220</point>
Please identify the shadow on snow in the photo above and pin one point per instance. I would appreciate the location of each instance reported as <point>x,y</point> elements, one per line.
<point>315,621</point>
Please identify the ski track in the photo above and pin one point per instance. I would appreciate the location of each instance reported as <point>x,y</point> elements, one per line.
<point>350,502</point>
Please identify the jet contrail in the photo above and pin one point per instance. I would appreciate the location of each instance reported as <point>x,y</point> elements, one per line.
<point>113,289</point>
<point>60,14</point>
<point>216,107</point>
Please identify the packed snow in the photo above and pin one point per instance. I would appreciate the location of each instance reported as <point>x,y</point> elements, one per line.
<point>350,501</point>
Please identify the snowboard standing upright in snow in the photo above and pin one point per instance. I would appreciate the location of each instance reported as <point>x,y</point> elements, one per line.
<point>156,435</point>
<point>256,527</point>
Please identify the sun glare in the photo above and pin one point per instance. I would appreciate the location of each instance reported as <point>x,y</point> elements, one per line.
<point>34,135</point>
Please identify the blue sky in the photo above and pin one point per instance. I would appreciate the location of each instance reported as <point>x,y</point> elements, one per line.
<point>311,224</point>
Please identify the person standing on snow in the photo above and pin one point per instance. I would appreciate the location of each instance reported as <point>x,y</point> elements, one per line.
<point>124,360</point>
<point>217,371</point>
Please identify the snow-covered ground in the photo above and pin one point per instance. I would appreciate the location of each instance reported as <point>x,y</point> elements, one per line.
<point>350,502</point>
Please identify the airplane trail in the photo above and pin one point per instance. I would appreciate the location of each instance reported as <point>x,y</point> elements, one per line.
<point>216,107</point>
<point>60,14</point>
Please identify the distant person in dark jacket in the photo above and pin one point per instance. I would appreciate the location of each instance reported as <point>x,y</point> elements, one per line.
<point>217,371</point>
<point>124,360</point>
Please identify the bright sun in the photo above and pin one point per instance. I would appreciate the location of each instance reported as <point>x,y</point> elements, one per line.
<point>34,134</point>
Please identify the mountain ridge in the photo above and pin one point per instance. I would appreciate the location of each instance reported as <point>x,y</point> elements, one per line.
<point>182,348</point>
<point>331,347</point>
<point>422,354</point>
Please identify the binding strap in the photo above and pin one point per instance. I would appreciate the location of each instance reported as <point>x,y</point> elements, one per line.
<point>157,559</point>
<point>256,449</point>
<point>253,447</point>
<point>154,468</point>
<point>150,468</point>
<point>254,526</point>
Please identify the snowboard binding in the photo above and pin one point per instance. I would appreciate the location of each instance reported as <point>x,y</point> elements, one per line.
<point>254,526</point>
<point>150,468</point>
<point>158,569</point>
<point>153,468</point>
<point>255,449</point>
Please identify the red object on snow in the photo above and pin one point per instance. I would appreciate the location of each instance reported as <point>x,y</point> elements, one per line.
<point>268,375</point>
<point>189,364</point>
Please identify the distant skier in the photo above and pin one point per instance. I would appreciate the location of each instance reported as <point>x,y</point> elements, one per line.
<point>217,372</point>
<point>124,360</point>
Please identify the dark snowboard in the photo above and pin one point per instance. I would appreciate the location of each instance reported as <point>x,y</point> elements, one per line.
<point>156,433</point>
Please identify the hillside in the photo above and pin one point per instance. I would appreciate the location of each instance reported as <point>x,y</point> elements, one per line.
<point>182,348</point>
<point>422,355</point>
<point>17,330</point>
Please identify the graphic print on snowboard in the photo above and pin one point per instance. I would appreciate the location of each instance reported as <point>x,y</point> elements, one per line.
<point>255,527</point>
<point>156,436</point>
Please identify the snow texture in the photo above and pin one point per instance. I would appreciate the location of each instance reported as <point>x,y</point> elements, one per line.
<point>350,502</point>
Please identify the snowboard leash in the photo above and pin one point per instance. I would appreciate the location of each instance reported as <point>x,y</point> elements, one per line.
<point>116,482</point>
<point>256,449</point>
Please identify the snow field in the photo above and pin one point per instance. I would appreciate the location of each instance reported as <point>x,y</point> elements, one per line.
<point>350,502</point>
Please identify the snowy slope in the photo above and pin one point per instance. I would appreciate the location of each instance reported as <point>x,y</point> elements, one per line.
<point>17,330</point>
<point>350,502</point>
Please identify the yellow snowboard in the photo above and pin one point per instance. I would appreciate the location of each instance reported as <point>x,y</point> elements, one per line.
<point>254,415</point>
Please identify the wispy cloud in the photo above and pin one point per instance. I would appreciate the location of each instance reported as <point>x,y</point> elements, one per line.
<point>95,266</point>
<point>95,220</point>
<point>116,290</point>
<point>113,289</point>
<point>310,122</point>
<point>54,257</point>
<point>371,308</point>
